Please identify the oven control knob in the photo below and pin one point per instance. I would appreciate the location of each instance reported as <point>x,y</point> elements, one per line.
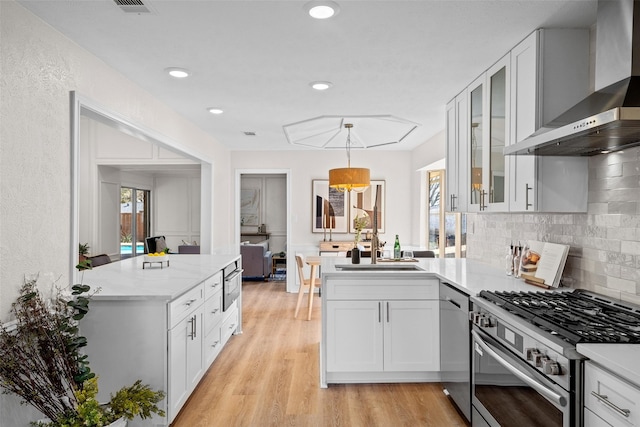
<point>535,356</point>
<point>551,367</point>
<point>529,352</point>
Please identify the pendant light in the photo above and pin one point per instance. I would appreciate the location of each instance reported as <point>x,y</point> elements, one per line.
<point>348,179</point>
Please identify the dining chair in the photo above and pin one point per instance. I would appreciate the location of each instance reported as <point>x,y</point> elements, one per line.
<point>305,283</point>
<point>423,254</point>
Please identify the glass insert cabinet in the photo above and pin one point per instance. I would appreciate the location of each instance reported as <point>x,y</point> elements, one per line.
<point>487,130</point>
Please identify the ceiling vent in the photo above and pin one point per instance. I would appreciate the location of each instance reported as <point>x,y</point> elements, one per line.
<point>249,133</point>
<point>133,6</point>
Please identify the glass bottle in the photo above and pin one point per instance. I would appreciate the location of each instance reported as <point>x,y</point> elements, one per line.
<point>516,261</point>
<point>508,261</point>
<point>396,248</point>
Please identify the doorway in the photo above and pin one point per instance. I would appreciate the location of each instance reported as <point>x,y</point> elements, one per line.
<point>263,212</point>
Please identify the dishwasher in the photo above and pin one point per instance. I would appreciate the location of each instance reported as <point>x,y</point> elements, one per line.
<point>455,353</point>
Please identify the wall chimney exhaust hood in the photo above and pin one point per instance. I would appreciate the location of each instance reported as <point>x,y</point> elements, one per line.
<point>608,120</point>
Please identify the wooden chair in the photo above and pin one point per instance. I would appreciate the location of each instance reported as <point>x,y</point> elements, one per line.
<point>305,283</point>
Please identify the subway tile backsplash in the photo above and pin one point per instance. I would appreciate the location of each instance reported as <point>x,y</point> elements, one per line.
<point>605,242</point>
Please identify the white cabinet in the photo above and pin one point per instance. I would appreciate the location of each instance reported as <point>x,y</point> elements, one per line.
<point>185,358</point>
<point>608,399</point>
<point>167,344</point>
<point>535,82</point>
<point>488,123</point>
<point>380,330</point>
<point>457,154</point>
<point>549,74</point>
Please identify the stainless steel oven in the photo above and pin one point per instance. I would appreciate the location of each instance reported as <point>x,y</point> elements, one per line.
<point>508,391</point>
<point>232,284</point>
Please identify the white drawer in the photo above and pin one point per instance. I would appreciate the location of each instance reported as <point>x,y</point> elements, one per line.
<point>592,420</point>
<point>212,285</point>
<point>229,325</point>
<point>619,394</point>
<point>185,304</point>
<point>212,345</point>
<point>381,288</point>
<point>213,311</point>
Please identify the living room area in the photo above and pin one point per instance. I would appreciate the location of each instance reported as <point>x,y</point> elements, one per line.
<point>263,226</point>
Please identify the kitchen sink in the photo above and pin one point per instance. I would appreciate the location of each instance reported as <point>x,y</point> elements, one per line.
<point>378,267</point>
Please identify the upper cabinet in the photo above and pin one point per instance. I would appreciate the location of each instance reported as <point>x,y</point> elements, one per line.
<point>549,75</point>
<point>488,121</point>
<point>538,80</point>
<point>457,154</point>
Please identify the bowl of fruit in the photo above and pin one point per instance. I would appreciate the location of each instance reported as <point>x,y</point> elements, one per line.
<point>156,257</point>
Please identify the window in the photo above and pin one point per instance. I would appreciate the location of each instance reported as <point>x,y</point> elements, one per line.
<point>447,230</point>
<point>134,203</point>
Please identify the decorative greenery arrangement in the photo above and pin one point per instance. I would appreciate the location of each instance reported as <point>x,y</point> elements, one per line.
<point>358,225</point>
<point>83,249</point>
<point>41,361</point>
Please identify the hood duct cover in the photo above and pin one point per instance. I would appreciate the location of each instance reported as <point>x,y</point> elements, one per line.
<point>608,119</point>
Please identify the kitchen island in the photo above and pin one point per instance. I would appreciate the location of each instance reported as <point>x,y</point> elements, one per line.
<point>164,326</point>
<point>380,323</point>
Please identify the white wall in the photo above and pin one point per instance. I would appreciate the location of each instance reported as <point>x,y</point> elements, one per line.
<point>39,68</point>
<point>306,166</point>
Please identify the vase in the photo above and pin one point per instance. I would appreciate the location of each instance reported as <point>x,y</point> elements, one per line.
<point>355,256</point>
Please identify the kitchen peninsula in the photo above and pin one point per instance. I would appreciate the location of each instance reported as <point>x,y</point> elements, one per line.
<point>381,322</point>
<point>164,326</point>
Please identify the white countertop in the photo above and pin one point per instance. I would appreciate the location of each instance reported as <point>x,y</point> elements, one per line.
<point>468,276</point>
<point>621,359</point>
<point>127,279</point>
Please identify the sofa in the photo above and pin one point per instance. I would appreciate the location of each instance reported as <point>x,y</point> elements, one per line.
<point>256,260</point>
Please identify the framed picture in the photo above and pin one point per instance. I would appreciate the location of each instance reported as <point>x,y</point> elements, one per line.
<point>361,205</point>
<point>330,208</point>
<point>249,206</point>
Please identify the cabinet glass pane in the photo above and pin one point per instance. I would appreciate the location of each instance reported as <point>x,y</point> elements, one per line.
<point>435,210</point>
<point>497,140</point>
<point>476,145</point>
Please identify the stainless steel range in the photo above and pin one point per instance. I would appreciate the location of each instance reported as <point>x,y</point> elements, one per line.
<point>525,367</point>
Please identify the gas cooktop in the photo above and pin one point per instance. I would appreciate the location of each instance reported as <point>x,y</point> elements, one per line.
<point>577,316</point>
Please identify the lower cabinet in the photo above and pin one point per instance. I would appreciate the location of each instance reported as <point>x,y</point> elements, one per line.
<point>186,358</point>
<point>380,330</point>
<point>608,399</point>
<point>374,336</point>
<point>168,345</point>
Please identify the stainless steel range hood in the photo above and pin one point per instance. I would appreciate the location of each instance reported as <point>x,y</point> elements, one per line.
<point>608,119</point>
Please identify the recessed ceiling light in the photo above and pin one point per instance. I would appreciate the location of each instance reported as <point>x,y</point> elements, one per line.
<point>322,9</point>
<point>178,73</point>
<point>215,110</point>
<point>321,85</point>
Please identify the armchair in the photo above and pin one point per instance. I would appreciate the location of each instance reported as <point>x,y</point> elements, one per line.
<point>256,260</point>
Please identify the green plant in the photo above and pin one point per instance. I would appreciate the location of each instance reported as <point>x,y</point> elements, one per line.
<point>41,361</point>
<point>83,249</point>
<point>358,225</point>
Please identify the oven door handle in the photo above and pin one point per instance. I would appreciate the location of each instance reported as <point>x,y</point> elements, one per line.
<point>548,393</point>
<point>233,275</point>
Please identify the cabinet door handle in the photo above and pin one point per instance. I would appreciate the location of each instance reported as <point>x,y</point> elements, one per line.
<point>526,198</point>
<point>379,312</point>
<point>215,311</point>
<point>192,334</point>
<point>604,399</point>
<point>387,311</point>
<point>453,202</point>
<point>195,325</point>
<point>191,301</point>
<point>483,195</point>
<point>215,344</point>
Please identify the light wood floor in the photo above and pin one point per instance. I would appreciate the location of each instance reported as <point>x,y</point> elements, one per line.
<point>269,376</point>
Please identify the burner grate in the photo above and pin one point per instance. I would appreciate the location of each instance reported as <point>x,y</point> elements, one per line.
<point>576,317</point>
